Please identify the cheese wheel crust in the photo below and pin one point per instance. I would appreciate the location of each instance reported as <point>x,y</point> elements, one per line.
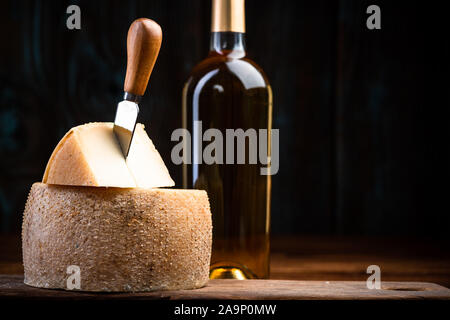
<point>121,239</point>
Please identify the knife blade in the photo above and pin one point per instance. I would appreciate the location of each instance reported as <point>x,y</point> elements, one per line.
<point>143,44</point>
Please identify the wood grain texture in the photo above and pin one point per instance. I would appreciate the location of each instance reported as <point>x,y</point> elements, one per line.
<point>53,79</point>
<point>347,258</point>
<point>143,44</point>
<point>298,57</point>
<point>13,287</point>
<point>362,113</point>
<point>388,126</point>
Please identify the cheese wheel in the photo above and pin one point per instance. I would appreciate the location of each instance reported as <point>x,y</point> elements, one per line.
<point>120,239</point>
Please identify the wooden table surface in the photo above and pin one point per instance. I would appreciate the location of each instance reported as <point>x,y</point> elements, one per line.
<point>12,286</point>
<point>322,261</point>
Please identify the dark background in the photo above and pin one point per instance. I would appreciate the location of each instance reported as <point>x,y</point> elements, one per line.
<point>363,114</point>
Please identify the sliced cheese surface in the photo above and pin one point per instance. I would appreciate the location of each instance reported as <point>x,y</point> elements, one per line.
<point>145,163</point>
<point>89,155</point>
<point>121,239</point>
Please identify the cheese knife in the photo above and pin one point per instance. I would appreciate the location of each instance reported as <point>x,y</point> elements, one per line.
<point>143,44</point>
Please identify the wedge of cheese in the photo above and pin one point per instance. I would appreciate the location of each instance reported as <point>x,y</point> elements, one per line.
<point>89,155</point>
<point>119,239</point>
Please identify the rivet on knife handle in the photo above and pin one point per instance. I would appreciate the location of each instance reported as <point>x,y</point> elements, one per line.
<point>143,44</point>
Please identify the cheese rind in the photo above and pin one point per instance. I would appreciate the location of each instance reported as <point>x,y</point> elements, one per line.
<point>65,157</point>
<point>89,155</point>
<point>122,239</point>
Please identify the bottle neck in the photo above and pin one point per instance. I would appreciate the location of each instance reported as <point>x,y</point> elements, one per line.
<point>228,43</point>
<point>228,28</point>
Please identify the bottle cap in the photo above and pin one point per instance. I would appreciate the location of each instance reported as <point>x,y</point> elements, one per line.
<point>228,16</point>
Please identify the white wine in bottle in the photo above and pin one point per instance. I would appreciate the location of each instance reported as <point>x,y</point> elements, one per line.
<point>227,90</point>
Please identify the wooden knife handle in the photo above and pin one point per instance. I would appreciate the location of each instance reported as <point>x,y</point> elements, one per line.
<point>143,44</point>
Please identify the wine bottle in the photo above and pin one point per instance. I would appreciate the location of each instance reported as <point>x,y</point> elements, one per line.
<point>227,90</point>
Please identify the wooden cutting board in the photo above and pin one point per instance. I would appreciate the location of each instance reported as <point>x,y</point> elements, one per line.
<point>12,286</point>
